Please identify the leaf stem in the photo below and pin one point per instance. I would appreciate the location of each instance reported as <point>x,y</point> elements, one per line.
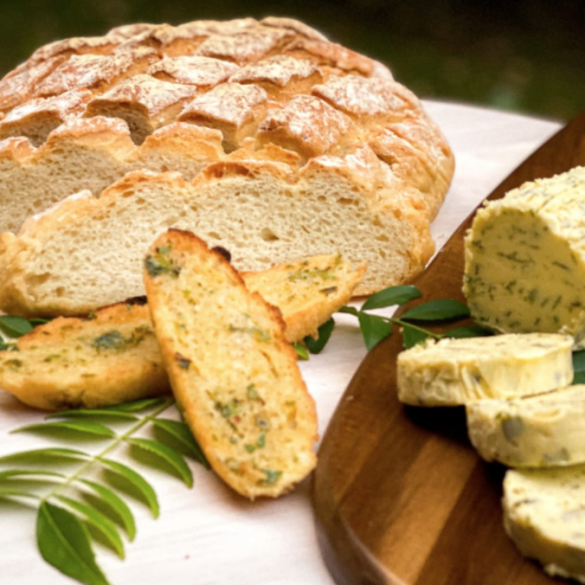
<point>167,402</point>
<point>357,312</point>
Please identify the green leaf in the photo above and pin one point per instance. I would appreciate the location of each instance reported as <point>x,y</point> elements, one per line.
<point>374,329</point>
<point>64,543</point>
<point>117,504</point>
<point>104,413</point>
<point>15,326</point>
<point>469,331</point>
<point>8,491</point>
<point>349,310</point>
<point>181,432</point>
<point>3,345</point>
<point>394,295</point>
<point>579,361</point>
<point>324,333</point>
<point>79,426</point>
<point>99,521</point>
<point>14,473</point>
<point>44,454</point>
<point>168,454</point>
<point>412,336</point>
<point>301,350</point>
<point>36,321</point>
<point>579,367</point>
<point>137,481</point>
<point>138,405</point>
<point>437,310</point>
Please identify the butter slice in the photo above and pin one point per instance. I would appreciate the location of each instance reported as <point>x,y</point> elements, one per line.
<point>536,431</point>
<point>544,514</point>
<point>525,259</point>
<point>453,372</point>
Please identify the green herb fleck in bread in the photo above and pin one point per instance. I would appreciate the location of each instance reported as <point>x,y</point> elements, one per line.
<point>233,373</point>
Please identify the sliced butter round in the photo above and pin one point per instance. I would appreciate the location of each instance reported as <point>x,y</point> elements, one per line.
<point>525,259</point>
<point>535,431</point>
<point>544,514</point>
<point>452,372</point>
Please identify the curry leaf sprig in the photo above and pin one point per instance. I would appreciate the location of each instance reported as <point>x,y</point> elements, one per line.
<point>75,507</point>
<point>375,328</point>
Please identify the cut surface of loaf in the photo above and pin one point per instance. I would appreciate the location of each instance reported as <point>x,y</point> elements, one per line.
<point>43,176</point>
<point>525,259</point>
<point>543,515</point>
<point>454,372</point>
<point>233,373</point>
<point>546,430</point>
<point>109,359</point>
<point>87,252</point>
<point>275,91</point>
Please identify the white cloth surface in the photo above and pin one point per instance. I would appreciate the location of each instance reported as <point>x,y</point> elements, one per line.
<point>209,536</point>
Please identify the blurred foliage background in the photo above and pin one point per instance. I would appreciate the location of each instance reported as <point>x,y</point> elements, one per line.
<point>524,55</point>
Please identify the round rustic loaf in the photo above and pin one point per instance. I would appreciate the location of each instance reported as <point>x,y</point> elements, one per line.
<point>274,97</point>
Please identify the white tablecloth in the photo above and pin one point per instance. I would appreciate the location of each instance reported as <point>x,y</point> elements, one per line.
<point>209,536</point>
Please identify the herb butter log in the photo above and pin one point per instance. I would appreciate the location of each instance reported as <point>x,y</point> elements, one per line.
<point>525,259</point>
<point>547,430</point>
<point>114,357</point>
<point>543,515</point>
<point>234,375</point>
<point>453,372</point>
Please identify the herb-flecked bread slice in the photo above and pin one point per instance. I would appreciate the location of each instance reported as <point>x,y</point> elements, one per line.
<point>233,373</point>
<point>306,291</point>
<point>110,358</point>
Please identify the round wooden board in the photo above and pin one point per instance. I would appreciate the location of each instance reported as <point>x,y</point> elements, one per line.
<point>399,494</point>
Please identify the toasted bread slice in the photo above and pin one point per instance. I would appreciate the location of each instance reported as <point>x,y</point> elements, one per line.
<point>109,359</point>
<point>307,292</point>
<point>233,373</point>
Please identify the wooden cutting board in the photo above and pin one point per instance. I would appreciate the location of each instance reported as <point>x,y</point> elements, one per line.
<point>400,496</point>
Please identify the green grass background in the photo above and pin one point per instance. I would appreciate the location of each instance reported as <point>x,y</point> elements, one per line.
<point>526,56</point>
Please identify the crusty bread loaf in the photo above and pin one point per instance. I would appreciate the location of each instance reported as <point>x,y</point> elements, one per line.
<point>234,375</point>
<point>87,251</point>
<point>298,113</point>
<point>113,357</point>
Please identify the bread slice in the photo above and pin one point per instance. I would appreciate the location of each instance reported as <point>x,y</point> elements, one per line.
<point>547,430</point>
<point>110,358</point>
<point>42,177</point>
<point>543,515</point>
<point>233,373</point>
<point>454,372</point>
<point>59,365</point>
<point>307,291</point>
<point>87,252</point>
